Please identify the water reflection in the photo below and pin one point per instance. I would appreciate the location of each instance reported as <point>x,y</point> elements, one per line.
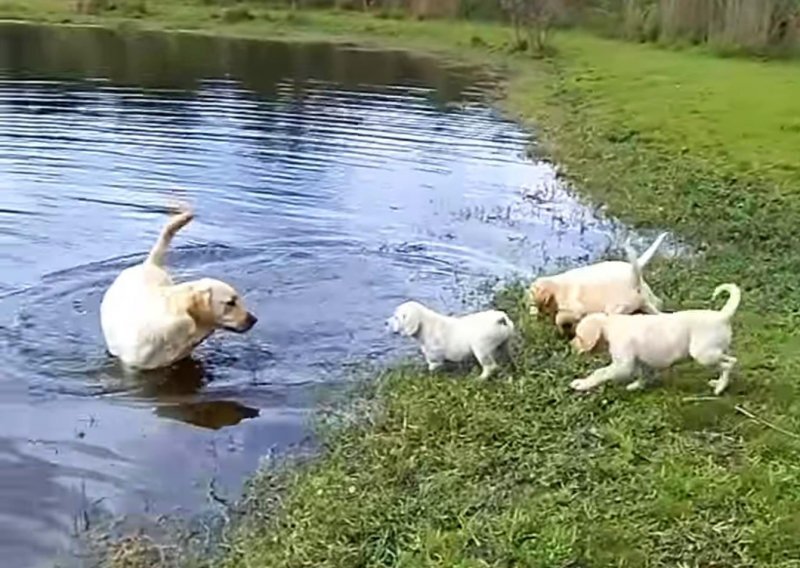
<point>175,391</point>
<point>214,414</point>
<point>181,61</point>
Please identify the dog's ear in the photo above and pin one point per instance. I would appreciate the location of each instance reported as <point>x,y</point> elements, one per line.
<point>566,321</point>
<point>542,297</point>
<point>588,333</point>
<point>410,321</point>
<point>200,308</point>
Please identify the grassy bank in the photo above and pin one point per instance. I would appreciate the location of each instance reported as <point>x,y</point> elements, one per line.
<point>449,471</point>
<point>521,472</point>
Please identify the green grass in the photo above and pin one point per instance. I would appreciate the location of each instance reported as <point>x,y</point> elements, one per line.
<point>451,471</point>
<point>454,472</point>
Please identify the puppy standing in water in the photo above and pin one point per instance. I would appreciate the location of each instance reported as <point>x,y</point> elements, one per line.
<point>659,341</point>
<point>612,287</point>
<point>455,339</point>
<point>150,322</point>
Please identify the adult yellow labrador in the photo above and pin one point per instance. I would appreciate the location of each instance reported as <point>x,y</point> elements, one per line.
<point>150,322</point>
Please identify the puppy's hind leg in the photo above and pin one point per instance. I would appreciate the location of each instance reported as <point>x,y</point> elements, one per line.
<point>652,304</point>
<point>716,356</point>
<point>726,364</point>
<point>159,251</point>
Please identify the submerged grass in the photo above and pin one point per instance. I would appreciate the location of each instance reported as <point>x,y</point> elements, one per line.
<point>518,471</point>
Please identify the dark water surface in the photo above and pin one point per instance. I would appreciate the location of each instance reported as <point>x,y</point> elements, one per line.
<point>329,183</point>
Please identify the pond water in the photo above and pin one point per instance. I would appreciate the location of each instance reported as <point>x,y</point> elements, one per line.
<point>330,184</point>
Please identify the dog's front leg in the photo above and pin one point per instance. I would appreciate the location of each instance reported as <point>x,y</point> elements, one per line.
<point>614,372</point>
<point>488,364</point>
<point>433,358</point>
<point>435,365</point>
<point>646,375</point>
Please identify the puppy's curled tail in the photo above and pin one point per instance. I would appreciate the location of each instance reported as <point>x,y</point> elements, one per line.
<point>734,297</point>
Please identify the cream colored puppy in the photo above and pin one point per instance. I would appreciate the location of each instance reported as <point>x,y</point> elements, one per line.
<point>659,341</point>
<point>150,322</point>
<point>612,287</point>
<point>455,339</point>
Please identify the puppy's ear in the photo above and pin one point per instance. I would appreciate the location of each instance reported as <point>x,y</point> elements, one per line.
<point>588,333</point>
<point>410,322</point>
<point>542,296</point>
<point>200,307</point>
<point>566,322</point>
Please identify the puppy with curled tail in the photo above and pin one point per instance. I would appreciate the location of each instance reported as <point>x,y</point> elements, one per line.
<point>482,335</point>
<point>150,322</point>
<point>659,341</point>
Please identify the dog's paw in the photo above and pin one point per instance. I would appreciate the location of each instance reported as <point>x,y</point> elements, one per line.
<point>580,385</point>
<point>433,367</point>
<point>720,388</point>
<point>635,385</point>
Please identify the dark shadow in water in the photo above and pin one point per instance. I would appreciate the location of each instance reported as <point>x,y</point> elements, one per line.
<point>175,392</point>
<point>213,414</point>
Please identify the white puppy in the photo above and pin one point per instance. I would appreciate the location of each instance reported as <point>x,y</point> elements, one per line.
<point>444,338</point>
<point>612,287</point>
<point>150,322</point>
<point>659,341</point>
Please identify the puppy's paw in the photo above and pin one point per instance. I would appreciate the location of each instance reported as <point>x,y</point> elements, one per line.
<point>720,388</point>
<point>581,385</point>
<point>635,385</point>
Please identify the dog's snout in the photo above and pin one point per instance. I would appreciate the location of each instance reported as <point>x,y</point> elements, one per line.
<point>249,321</point>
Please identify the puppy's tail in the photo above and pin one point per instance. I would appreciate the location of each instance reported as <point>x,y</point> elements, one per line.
<point>159,251</point>
<point>734,297</point>
<point>647,255</point>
